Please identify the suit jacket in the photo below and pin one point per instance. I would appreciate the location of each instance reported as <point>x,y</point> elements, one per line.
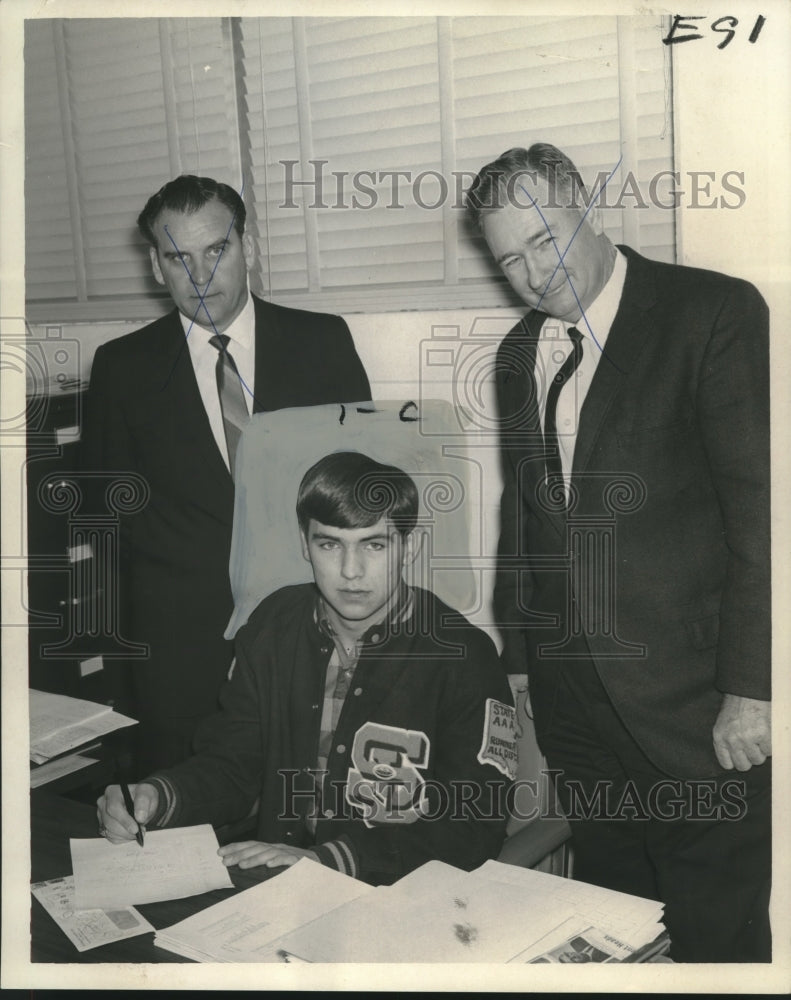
<point>663,561</point>
<point>144,413</point>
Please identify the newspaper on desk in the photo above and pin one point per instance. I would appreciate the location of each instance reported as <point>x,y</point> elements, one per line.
<point>575,942</point>
<point>87,928</point>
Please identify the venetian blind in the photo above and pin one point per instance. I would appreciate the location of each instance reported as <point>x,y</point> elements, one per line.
<point>365,132</point>
<point>353,140</point>
<point>114,108</point>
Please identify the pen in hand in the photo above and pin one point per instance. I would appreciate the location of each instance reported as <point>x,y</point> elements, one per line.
<point>130,808</point>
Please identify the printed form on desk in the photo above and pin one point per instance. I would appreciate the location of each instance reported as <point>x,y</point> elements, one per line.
<point>173,864</point>
<point>249,926</point>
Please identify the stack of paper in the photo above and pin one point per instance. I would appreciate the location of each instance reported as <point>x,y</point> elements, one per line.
<point>498,913</point>
<point>625,922</point>
<point>437,913</point>
<point>61,766</point>
<point>59,723</point>
<point>249,927</point>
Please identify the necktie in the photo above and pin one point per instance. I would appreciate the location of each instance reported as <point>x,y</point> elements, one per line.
<point>567,369</point>
<point>231,393</point>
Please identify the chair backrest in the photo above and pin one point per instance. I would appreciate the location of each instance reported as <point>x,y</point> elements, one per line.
<point>527,801</point>
<point>277,448</point>
<point>537,833</point>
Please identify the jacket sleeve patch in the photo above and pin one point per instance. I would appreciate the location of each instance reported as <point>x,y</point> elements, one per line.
<point>383,782</point>
<point>498,746</point>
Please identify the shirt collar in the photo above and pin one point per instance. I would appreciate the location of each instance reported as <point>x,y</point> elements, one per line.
<point>400,611</point>
<point>241,331</point>
<point>600,314</point>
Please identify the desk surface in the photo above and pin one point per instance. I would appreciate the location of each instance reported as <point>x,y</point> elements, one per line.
<point>53,820</point>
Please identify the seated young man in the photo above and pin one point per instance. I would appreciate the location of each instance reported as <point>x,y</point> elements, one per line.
<point>371,722</point>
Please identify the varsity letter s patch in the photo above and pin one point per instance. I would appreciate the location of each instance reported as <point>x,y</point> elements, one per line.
<point>383,781</point>
<point>498,745</point>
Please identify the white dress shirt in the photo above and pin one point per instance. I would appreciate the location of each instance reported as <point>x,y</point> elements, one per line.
<point>554,346</point>
<point>204,362</point>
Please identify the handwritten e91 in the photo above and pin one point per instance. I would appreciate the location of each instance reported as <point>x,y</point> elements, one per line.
<point>726,25</point>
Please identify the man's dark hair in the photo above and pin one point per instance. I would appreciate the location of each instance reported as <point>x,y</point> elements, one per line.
<point>188,194</point>
<point>494,186</point>
<point>349,490</point>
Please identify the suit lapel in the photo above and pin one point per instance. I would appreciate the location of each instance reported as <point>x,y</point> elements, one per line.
<point>521,424</point>
<point>523,435</point>
<point>632,328</point>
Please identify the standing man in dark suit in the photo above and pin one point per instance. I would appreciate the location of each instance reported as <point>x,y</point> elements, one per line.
<point>167,402</point>
<point>634,566</point>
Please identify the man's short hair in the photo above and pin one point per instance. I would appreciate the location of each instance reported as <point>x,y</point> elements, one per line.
<point>494,186</point>
<point>349,490</point>
<point>188,194</point>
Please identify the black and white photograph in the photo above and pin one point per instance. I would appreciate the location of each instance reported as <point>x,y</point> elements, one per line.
<point>394,436</point>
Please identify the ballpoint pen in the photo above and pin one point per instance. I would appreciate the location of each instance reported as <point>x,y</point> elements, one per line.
<point>130,808</point>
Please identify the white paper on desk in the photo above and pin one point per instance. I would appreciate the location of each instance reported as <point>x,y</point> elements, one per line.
<point>248,927</point>
<point>172,864</point>
<point>87,928</point>
<point>632,919</point>
<point>58,768</point>
<point>76,735</point>
<point>436,914</point>
<point>52,713</point>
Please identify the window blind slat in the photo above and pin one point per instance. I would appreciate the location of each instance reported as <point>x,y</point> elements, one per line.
<point>370,99</point>
<point>49,242</point>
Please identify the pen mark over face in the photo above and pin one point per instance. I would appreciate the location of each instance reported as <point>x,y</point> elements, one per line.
<point>460,903</point>
<point>556,258</point>
<point>203,261</point>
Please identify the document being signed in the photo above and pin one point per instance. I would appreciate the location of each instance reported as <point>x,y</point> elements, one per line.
<point>172,864</point>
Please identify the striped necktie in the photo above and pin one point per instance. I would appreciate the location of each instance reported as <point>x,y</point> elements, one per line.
<point>551,445</point>
<point>231,393</point>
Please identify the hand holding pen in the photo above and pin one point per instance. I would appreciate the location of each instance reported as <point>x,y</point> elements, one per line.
<point>124,810</point>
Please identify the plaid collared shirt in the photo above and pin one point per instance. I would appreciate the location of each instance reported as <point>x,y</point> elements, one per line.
<point>340,671</point>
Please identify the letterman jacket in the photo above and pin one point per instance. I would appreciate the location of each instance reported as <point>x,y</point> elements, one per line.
<point>421,760</point>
